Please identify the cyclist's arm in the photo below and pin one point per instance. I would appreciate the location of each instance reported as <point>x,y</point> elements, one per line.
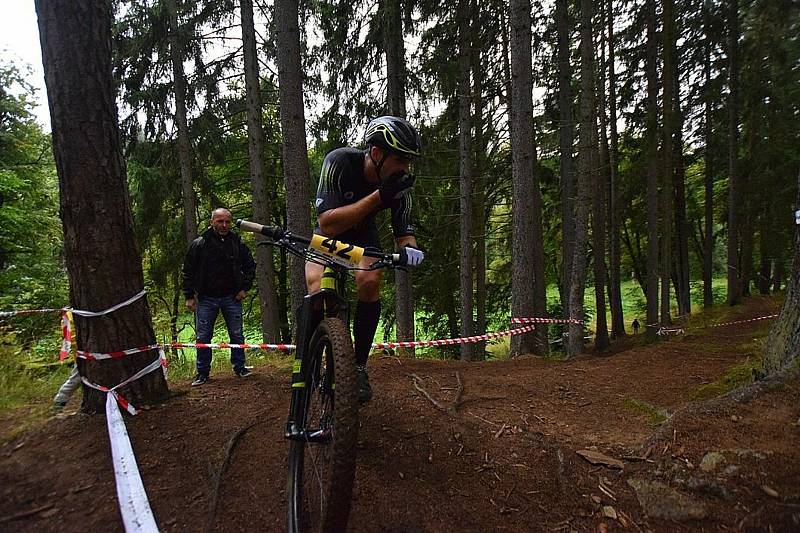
<point>340,219</point>
<point>406,239</point>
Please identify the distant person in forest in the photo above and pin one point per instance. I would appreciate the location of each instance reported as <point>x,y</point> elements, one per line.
<point>354,185</point>
<point>635,325</point>
<point>217,273</point>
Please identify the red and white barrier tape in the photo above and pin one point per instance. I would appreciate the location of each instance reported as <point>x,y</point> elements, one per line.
<point>536,320</point>
<point>111,309</point>
<point>66,334</point>
<point>669,331</point>
<point>459,340</point>
<point>27,312</point>
<point>742,321</point>
<point>224,345</point>
<point>94,356</point>
<point>160,362</point>
<point>137,516</point>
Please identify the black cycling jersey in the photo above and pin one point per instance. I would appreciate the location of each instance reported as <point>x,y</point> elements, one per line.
<point>342,182</point>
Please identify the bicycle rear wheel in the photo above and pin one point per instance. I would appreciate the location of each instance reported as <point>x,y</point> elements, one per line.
<point>322,465</point>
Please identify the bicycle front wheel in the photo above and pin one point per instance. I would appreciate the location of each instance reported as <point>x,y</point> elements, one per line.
<point>322,464</point>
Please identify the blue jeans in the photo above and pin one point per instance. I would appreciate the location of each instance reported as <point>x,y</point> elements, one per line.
<point>207,310</point>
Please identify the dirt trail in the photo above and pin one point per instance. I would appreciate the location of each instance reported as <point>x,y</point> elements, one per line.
<point>506,461</point>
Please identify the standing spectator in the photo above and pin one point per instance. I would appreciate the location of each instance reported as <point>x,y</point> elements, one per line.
<point>217,273</point>
<point>635,325</point>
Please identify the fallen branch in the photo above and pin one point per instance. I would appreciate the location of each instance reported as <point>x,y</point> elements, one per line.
<point>26,514</point>
<point>451,407</point>
<point>217,478</point>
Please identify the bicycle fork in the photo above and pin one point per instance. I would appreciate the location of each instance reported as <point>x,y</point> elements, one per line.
<point>326,301</point>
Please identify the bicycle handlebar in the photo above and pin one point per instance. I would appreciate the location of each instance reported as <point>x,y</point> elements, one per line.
<point>333,250</point>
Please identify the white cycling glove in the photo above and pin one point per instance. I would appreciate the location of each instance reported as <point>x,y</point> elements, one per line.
<point>411,256</point>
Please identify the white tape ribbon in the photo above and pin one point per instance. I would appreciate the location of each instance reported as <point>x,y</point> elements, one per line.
<point>110,309</point>
<point>133,504</point>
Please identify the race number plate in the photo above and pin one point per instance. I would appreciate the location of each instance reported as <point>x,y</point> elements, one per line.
<point>340,252</point>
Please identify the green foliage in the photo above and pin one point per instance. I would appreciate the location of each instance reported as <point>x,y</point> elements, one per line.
<point>657,415</point>
<point>32,273</point>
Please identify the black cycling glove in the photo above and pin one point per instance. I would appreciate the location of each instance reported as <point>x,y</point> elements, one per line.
<point>394,186</point>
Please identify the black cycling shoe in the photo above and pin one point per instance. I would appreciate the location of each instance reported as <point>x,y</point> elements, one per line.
<point>362,382</point>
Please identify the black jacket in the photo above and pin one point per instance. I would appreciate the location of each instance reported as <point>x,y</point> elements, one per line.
<point>208,256</point>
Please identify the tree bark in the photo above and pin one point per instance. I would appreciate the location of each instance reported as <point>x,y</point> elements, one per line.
<point>522,164</point>
<point>783,343</point>
<point>615,295</point>
<point>566,137</point>
<point>668,162</point>
<point>587,167</point>
<point>293,128</point>
<point>265,275</point>
<point>599,196</point>
<point>479,205</point>
<point>394,48</point>
<point>651,68</point>
<point>734,283</point>
<point>102,255</point>
<point>465,175</point>
<point>184,143</point>
<point>679,174</point>
<point>708,128</point>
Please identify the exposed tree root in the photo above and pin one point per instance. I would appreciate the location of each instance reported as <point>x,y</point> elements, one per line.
<point>451,407</point>
<point>216,478</point>
<point>741,395</point>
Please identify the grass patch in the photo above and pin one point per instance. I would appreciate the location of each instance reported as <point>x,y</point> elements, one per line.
<point>657,416</point>
<point>736,376</point>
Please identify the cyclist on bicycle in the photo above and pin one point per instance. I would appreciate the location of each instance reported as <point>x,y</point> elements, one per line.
<point>354,185</point>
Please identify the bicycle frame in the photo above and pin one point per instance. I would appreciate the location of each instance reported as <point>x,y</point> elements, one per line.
<point>329,300</point>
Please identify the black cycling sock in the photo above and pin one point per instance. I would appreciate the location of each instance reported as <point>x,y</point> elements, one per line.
<point>366,322</point>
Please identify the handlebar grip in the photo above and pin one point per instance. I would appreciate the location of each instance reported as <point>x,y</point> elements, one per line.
<point>273,232</point>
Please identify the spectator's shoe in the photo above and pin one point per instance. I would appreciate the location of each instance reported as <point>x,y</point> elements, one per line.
<point>242,372</point>
<point>362,382</point>
<point>200,379</point>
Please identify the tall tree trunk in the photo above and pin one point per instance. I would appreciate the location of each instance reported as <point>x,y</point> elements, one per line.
<point>265,274</point>
<point>587,167</point>
<point>465,174</point>
<point>394,49</point>
<point>679,173</point>
<point>734,283</point>
<point>95,207</point>
<point>479,205</point>
<point>668,162</point>
<point>708,255</point>
<point>566,136</point>
<point>747,236</point>
<point>184,143</point>
<point>615,295</point>
<point>522,164</point>
<point>783,343</point>
<point>599,197</point>
<point>293,128</point>
<point>651,68</point>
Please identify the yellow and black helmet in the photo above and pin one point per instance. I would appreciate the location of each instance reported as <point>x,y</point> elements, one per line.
<point>393,134</point>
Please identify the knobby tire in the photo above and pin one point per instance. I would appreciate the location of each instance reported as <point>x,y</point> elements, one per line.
<point>321,475</point>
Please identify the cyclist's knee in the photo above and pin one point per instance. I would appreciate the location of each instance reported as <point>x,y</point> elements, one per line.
<point>368,286</point>
<point>313,277</point>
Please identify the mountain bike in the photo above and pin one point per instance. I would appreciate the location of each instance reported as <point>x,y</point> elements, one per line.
<point>322,426</point>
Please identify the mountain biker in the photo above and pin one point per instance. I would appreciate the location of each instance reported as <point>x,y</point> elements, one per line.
<point>354,185</point>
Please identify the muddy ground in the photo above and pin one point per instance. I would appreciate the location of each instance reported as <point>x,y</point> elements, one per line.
<point>506,460</point>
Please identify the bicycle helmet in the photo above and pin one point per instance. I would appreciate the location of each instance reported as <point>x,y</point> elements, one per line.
<point>394,135</point>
